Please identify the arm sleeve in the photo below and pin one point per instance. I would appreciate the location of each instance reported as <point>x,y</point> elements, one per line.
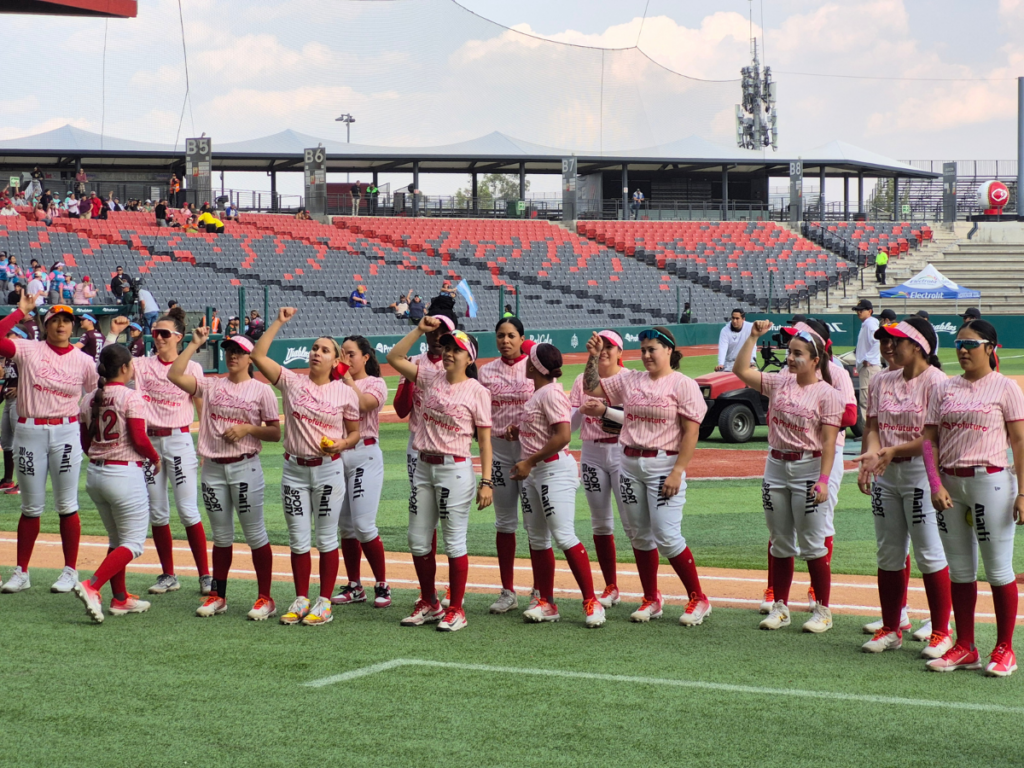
<point>575,419</point>
<point>404,398</point>
<point>615,414</point>
<point>139,438</point>
<point>7,347</point>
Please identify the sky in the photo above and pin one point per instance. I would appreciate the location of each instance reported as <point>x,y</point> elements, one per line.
<point>905,78</point>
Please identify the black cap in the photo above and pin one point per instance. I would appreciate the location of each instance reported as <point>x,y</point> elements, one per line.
<point>888,314</point>
<point>796,319</point>
<point>971,313</point>
<point>863,304</point>
<point>922,313</point>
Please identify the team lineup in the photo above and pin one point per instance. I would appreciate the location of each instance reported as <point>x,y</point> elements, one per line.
<point>934,468</point>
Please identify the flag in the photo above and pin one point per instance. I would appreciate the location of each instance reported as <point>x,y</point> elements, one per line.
<point>467,294</point>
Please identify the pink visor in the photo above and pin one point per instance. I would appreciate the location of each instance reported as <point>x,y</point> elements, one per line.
<point>445,321</point>
<point>244,343</point>
<point>462,342</point>
<point>904,330</point>
<point>798,328</point>
<point>612,337</point>
<point>536,360</point>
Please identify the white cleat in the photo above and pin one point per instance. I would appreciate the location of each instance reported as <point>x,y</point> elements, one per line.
<point>423,613</point>
<point>66,581</point>
<point>165,582</point>
<point>212,606</point>
<point>905,625</point>
<point>884,640</point>
<point>937,646</point>
<point>543,611</point>
<point>453,620</point>
<point>18,582</point>
<point>820,621</point>
<point>92,599</point>
<point>777,618</point>
<point>506,601</point>
<point>534,599</point>
<point>130,604</point>
<point>594,612</point>
<point>446,600</point>
<point>768,603</point>
<point>610,597</point>
<point>263,609</point>
<point>649,609</point>
<point>924,632</point>
<point>696,611</point>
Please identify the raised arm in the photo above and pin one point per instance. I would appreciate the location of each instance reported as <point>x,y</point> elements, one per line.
<point>591,378</point>
<point>747,373</point>
<point>398,356</point>
<point>186,381</point>
<point>270,369</point>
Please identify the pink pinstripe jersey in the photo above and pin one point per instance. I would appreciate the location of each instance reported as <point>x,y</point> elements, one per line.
<point>169,407</point>
<point>50,385</point>
<point>972,416</point>
<point>546,407</point>
<point>312,413</point>
<point>450,413</point>
<point>112,441</point>
<point>509,388</point>
<point>900,405</point>
<point>591,428</point>
<point>226,404</point>
<point>369,422</point>
<point>652,407</point>
<point>841,383</point>
<point>796,414</point>
<point>422,361</point>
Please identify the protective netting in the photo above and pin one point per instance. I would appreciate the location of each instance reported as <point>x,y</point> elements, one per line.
<point>413,72</point>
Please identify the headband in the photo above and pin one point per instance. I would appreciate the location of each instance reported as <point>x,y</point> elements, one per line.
<point>805,332</point>
<point>536,361</point>
<point>462,341</point>
<point>904,330</point>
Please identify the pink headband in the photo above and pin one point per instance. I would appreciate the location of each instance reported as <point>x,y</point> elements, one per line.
<point>536,361</point>
<point>907,331</point>
<point>445,321</point>
<point>612,337</point>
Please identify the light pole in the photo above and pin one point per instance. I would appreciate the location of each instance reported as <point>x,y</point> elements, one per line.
<point>347,119</point>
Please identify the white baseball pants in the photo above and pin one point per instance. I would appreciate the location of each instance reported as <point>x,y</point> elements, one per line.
<point>308,493</point>
<point>655,522</point>
<point>412,456</point>
<point>119,494</point>
<point>48,449</point>
<point>901,503</point>
<point>235,488</point>
<point>364,480</point>
<point>549,503</point>
<point>981,519</point>
<point>7,424</point>
<point>506,490</point>
<point>445,493</point>
<point>179,466</point>
<point>835,479</point>
<point>797,526</point>
<point>601,465</point>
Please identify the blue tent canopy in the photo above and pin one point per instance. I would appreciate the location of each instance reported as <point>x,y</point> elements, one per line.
<point>929,283</point>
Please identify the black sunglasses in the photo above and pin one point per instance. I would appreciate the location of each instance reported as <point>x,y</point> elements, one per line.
<point>163,333</point>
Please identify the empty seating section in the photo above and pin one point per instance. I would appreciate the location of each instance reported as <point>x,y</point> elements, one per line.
<point>860,241</point>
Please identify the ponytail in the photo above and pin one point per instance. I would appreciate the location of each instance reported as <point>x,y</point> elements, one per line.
<point>372,366</point>
<point>934,362</point>
<point>823,363</point>
<point>113,358</point>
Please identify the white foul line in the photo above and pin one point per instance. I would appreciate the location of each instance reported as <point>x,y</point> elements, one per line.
<point>698,684</point>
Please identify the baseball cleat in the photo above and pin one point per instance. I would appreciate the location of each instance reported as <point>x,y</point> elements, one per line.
<point>610,597</point>
<point>423,613</point>
<point>811,600</point>
<point>905,626</point>
<point>924,632</point>
<point>768,602</point>
<point>544,611</point>
<point>130,604</point>
<point>534,598</point>
<point>212,606</point>
<point>263,609</point>
<point>6,485</point>
<point>777,618</point>
<point>884,640</point>
<point>696,611</point>
<point>446,598</point>
<point>19,581</point>
<point>820,621</point>
<point>594,612</point>
<point>454,619</point>
<point>381,595</point>
<point>66,581</point>
<point>350,593</point>
<point>1002,662</point>
<point>296,611</point>
<point>937,646</point>
<point>649,609</point>
<point>956,658</point>
<point>166,582</point>
<point>205,585</point>
<point>319,614</point>
<point>506,601</point>
<point>13,491</point>
<point>92,599</point>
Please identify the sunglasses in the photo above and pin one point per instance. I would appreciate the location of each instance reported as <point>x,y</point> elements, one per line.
<point>163,333</point>
<point>652,335</point>
<point>968,344</point>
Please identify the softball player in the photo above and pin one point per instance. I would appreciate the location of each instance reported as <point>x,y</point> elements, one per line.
<point>239,415</point>
<point>454,406</point>
<point>506,380</point>
<point>53,376</point>
<point>9,394</point>
<point>600,460</point>
<point>169,421</point>
<point>971,421</point>
<point>549,479</point>
<point>113,434</point>
<point>321,418</point>
<point>805,415</point>
<point>662,414</point>
<point>364,478</point>
<point>897,403</point>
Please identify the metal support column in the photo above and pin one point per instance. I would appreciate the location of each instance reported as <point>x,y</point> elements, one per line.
<point>725,193</point>
<point>846,197</point>
<point>625,191</point>
<point>476,196</point>
<point>821,193</point>
<point>522,181</point>
<point>860,193</point>
<point>273,190</point>
<point>415,187</point>
<point>1020,146</point>
<point>895,198</point>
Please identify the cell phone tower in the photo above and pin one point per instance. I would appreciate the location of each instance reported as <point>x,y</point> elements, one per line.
<point>756,117</point>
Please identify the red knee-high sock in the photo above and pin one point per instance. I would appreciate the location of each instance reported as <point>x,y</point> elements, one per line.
<point>890,592</point>
<point>821,579</point>
<point>604,546</point>
<point>117,585</point>
<point>113,564</point>
<point>458,573</point>
<point>28,531</point>
<point>543,561</point>
<point>70,535</point>
<point>965,598</point>
<point>164,548</point>
<point>263,564</point>
<point>374,551</point>
<point>936,587</point>
<point>782,570</point>
<point>1004,599</point>
<point>329,562</point>
<point>302,566</point>
<point>426,571</point>
<point>352,550</point>
<point>222,557</point>
<point>197,543</point>
<point>506,545</point>
<point>579,564</point>
<point>771,567</point>
<point>828,546</point>
<point>686,569</point>
<point>647,566</point>
<point>906,582</point>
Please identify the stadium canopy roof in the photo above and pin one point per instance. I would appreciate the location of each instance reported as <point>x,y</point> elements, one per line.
<point>119,9</point>
<point>493,153</point>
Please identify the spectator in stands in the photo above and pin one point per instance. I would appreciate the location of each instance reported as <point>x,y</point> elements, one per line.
<point>115,205</point>
<point>34,188</point>
<point>46,199</point>
<point>230,212</point>
<point>868,352</point>
<point>255,326</point>
<point>104,209</point>
<point>214,322</point>
<point>416,309</point>
<point>85,292</point>
<point>970,315</point>
<point>171,305</point>
<point>91,340</point>
<point>447,289</point>
<point>372,193</point>
<point>15,274</point>
<point>53,212</point>
<point>638,201</point>
<point>67,291</point>
<point>148,307</point>
<point>81,179</point>
<point>161,213</point>
<point>887,317</point>
<point>174,187</point>
<point>37,286</point>
<point>8,209</point>
<point>41,215</point>
<point>185,213</point>
<point>401,306</point>
<point>55,282</point>
<point>15,294</point>
<point>357,299</point>
<point>687,314</point>
<point>72,206</point>
<point>192,225</point>
<point>210,223</point>
<point>881,262</point>
<point>731,338</point>
<point>508,311</point>
<point>121,286</point>
<point>95,205</point>
<point>136,344</point>
<point>232,328</point>
<point>357,196</point>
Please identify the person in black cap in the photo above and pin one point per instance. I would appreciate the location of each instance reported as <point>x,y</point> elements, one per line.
<point>887,316</point>
<point>796,319</point>
<point>868,354</point>
<point>971,313</point>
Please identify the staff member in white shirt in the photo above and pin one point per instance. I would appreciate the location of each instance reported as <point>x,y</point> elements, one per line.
<point>731,339</point>
<point>869,355</point>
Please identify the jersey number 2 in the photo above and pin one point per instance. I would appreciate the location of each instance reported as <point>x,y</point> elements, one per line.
<point>108,420</point>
